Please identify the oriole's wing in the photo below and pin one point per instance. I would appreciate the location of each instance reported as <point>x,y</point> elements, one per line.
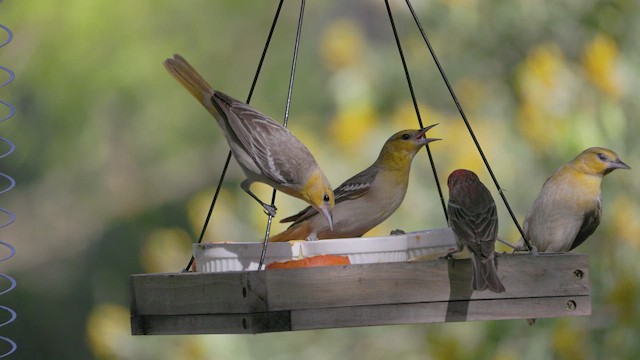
<point>590,222</point>
<point>352,189</point>
<point>278,154</point>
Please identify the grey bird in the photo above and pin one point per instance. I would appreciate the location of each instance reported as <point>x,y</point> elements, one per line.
<point>266,151</point>
<point>366,199</point>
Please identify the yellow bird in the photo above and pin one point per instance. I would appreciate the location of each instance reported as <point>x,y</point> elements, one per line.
<point>569,206</point>
<point>266,151</point>
<point>366,199</point>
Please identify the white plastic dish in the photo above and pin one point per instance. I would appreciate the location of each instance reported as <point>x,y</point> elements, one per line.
<point>239,256</point>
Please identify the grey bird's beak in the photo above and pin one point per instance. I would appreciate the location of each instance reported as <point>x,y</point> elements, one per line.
<point>422,139</point>
<point>618,164</point>
<point>328,215</point>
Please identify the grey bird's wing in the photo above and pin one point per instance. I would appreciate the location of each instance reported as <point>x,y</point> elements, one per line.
<point>278,154</point>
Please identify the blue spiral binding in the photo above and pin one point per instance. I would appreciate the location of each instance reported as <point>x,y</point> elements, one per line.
<point>11,217</point>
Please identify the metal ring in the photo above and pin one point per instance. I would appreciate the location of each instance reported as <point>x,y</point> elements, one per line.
<point>12,110</point>
<point>11,144</point>
<point>11,342</point>
<point>12,218</point>
<point>11,180</point>
<point>8,33</point>
<point>12,76</point>
<point>11,280</point>
<point>11,248</point>
<point>13,316</point>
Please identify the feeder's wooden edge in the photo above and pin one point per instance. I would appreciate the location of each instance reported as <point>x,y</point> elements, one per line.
<point>547,285</point>
<point>355,316</point>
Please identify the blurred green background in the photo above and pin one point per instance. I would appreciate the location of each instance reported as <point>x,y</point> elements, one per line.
<point>116,163</point>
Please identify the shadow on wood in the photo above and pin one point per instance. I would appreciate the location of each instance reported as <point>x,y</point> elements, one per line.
<point>459,288</point>
<point>548,285</point>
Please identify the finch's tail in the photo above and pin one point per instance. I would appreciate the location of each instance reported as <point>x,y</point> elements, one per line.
<point>191,80</point>
<point>485,275</point>
<point>294,232</point>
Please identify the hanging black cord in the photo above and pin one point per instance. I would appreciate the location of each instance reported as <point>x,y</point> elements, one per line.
<point>415,106</point>
<point>226,164</point>
<point>466,122</point>
<point>286,121</point>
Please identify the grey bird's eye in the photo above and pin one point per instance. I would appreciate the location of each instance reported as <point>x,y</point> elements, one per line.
<point>405,137</point>
<point>326,198</point>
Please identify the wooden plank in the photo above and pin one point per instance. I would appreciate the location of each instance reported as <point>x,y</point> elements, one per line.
<point>198,293</point>
<point>211,324</point>
<point>355,295</point>
<point>524,276</point>
<point>438,312</point>
<point>373,315</point>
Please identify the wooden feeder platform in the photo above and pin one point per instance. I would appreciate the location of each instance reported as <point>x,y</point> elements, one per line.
<point>250,302</point>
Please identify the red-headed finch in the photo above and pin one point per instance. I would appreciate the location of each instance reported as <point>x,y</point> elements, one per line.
<point>266,151</point>
<point>366,199</point>
<point>474,220</point>
<point>569,206</point>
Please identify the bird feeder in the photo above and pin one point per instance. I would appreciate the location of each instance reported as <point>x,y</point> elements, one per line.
<point>403,289</point>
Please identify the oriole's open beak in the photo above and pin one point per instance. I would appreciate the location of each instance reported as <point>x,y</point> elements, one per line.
<point>422,139</point>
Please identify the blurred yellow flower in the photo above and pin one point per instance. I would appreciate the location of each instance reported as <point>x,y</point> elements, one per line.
<point>352,124</point>
<point>569,340</point>
<point>543,83</point>
<point>626,220</point>
<point>544,63</point>
<point>404,116</point>
<point>342,44</point>
<point>600,59</point>
<point>624,298</point>
<point>166,250</point>
<point>108,331</point>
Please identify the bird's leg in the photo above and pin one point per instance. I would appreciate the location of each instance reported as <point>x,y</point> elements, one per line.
<point>449,255</point>
<point>515,248</point>
<point>270,210</point>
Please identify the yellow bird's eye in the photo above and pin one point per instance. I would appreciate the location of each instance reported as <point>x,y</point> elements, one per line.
<point>602,157</point>
<point>405,137</point>
<point>326,198</point>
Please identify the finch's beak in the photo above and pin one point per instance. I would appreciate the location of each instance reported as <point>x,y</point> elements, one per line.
<point>422,140</point>
<point>328,215</point>
<point>618,164</point>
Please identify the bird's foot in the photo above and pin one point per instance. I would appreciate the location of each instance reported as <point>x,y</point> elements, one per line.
<point>449,256</point>
<point>312,237</point>
<point>397,232</point>
<point>270,210</point>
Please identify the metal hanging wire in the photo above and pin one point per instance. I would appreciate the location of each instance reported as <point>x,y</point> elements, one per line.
<point>11,217</point>
<point>285,122</point>
<point>460,110</point>
<point>417,110</point>
<point>413,99</point>
<point>226,164</point>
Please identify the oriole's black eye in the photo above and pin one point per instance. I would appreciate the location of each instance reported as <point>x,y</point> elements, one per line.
<point>326,198</point>
<point>405,137</point>
<point>602,156</point>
